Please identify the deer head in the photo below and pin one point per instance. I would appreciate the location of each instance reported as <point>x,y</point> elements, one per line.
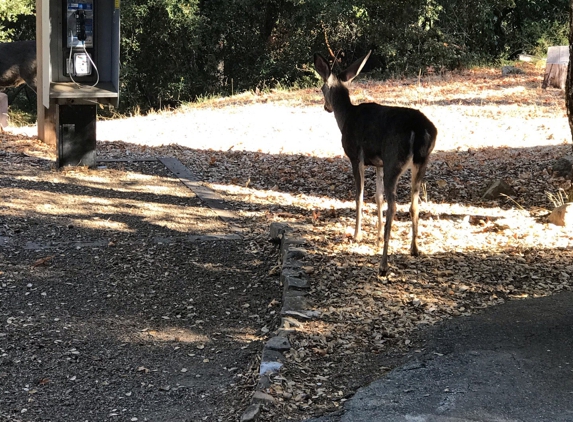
<point>335,84</point>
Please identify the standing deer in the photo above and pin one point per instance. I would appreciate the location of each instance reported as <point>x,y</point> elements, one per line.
<point>392,139</point>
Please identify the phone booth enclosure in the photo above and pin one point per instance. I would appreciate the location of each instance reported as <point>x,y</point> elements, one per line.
<point>77,137</point>
<point>78,68</point>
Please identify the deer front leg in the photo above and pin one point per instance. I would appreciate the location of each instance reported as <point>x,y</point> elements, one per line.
<point>358,171</point>
<point>417,176</point>
<point>379,201</point>
<point>390,213</point>
<point>391,177</point>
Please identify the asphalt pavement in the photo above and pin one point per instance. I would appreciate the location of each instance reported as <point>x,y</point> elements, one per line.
<point>510,363</point>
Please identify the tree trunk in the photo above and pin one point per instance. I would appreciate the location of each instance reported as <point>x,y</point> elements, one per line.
<point>569,88</point>
<point>569,83</point>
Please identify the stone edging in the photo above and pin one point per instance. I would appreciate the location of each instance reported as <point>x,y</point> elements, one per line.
<point>296,308</point>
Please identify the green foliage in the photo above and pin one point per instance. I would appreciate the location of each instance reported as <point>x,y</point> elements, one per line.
<point>17,21</point>
<point>23,106</point>
<point>9,9</point>
<point>541,34</point>
<point>175,51</point>
<point>158,53</point>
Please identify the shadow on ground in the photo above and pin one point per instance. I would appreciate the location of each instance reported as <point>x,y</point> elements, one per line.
<point>114,303</point>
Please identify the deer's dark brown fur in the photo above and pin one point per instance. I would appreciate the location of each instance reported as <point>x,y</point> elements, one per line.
<point>18,64</point>
<point>392,139</point>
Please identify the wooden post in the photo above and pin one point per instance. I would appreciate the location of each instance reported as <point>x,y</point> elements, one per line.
<point>46,117</point>
<point>3,111</point>
<point>556,67</point>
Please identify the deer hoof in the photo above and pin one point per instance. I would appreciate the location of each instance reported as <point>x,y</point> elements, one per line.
<point>383,269</point>
<point>358,237</point>
<point>414,251</point>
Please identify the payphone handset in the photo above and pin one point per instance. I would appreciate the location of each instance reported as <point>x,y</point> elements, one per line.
<point>80,24</point>
<point>79,38</point>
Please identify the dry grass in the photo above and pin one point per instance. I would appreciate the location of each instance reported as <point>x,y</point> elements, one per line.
<point>483,87</point>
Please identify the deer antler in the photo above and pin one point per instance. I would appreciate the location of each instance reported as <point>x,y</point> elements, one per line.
<point>327,43</point>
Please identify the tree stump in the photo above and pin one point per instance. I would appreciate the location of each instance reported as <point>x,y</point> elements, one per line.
<point>556,67</point>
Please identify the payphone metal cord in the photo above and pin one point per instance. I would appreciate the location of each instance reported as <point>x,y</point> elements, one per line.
<point>70,60</point>
<point>92,62</point>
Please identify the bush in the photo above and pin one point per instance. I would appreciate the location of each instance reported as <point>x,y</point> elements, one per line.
<point>17,20</point>
<point>176,51</point>
<point>158,54</point>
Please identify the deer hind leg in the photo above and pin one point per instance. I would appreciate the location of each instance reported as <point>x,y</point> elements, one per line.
<point>379,200</point>
<point>358,171</point>
<point>418,171</point>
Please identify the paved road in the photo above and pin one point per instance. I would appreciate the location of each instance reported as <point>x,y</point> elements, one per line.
<point>510,363</point>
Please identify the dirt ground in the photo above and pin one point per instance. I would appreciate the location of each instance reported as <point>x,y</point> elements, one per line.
<point>115,305</point>
<point>156,301</point>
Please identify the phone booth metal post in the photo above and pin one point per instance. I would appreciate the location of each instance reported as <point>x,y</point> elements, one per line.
<point>77,45</point>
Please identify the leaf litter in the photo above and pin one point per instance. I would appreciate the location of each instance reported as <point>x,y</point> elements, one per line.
<point>276,157</point>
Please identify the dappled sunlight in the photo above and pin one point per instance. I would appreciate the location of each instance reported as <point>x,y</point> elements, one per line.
<point>242,337</point>
<point>89,211</point>
<point>283,162</point>
<point>444,227</point>
<point>175,334</point>
<point>167,334</point>
<point>363,315</point>
<point>75,195</point>
<point>260,196</point>
<point>121,181</point>
<point>97,223</point>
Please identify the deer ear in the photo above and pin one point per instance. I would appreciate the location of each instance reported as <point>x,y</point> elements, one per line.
<point>321,66</point>
<point>354,69</point>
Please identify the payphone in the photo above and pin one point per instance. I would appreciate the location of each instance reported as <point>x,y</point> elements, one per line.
<point>78,44</point>
<point>78,32</point>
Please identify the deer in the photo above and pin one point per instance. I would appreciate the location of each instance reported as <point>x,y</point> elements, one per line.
<point>390,138</point>
<point>18,64</point>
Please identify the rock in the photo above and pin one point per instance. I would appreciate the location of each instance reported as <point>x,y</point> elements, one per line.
<point>294,293</point>
<point>280,344</point>
<point>294,305</point>
<point>263,398</point>
<point>252,413</point>
<point>278,230</point>
<point>264,383</point>
<point>562,167</point>
<point>291,272</point>
<point>498,188</point>
<point>294,253</point>
<point>294,241</point>
<point>527,58</point>
<point>271,361</point>
<point>291,283</point>
<point>293,264</point>
<point>562,215</point>
<point>511,70</point>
